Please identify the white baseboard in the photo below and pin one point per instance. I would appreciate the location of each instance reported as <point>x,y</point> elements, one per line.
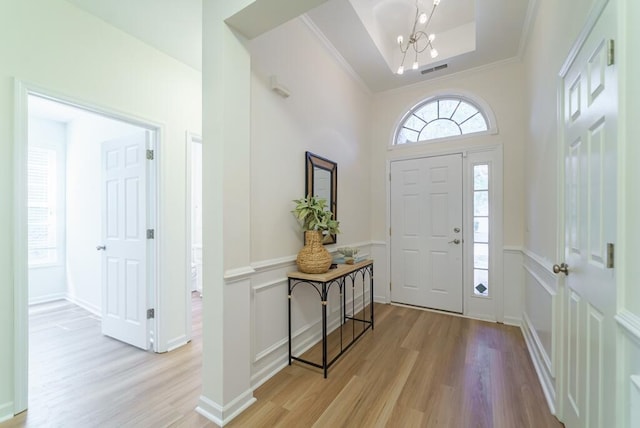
<point>380,299</point>
<point>514,321</point>
<point>222,415</point>
<point>177,342</point>
<point>47,298</point>
<point>268,372</point>
<point>545,381</point>
<point>95,310</point>
<point>6,411</point>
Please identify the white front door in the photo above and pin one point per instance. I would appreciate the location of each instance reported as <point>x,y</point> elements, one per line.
<point>426,232</point>
<point>590,153</point>
<point>124,272</point>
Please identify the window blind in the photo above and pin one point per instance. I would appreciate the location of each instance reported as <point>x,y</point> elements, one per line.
<point>41,206</point>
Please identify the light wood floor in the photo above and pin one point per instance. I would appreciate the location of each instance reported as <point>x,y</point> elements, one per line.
<point>416,369</point>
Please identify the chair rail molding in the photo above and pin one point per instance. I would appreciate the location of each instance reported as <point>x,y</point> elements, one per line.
<point>630,323</point>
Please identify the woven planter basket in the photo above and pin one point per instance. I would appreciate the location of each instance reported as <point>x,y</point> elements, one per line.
<point>313,258</point>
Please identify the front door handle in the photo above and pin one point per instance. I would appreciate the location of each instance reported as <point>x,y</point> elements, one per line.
<point>101,247</point>
<point>455,241</point>
<point>562,267</point>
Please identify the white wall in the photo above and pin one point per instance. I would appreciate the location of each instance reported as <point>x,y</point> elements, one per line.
<point>556,26</point>
<point>56,46</point>
<point>329,114</point>
<point>84,205</point>
<point>49,282</point>
<point>628,48</point>
<point>628,245</point>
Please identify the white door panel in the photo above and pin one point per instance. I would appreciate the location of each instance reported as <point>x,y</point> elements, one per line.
<point>590,150</point>
<point>124,231</point>
<point>426,207</point>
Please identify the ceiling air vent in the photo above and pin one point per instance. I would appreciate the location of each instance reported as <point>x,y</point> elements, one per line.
<point>436,68</point>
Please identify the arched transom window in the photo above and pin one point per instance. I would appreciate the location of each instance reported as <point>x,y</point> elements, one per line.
<point>446,116</point>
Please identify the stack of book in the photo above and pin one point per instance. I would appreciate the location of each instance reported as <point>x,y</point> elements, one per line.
<point>340,259</point>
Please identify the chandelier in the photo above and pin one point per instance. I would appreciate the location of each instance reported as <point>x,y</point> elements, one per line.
<point>418,40</point>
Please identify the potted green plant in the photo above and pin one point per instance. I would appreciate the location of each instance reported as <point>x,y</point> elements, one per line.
<point>316,220</point>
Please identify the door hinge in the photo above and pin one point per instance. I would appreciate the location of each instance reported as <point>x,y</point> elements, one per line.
<point>150,154</point>
<point>151,234</point>
<point>389,176</point>
<point>610,255</point>
<point>151,313</point>
<point>389,231</point>
<point>389,285</point>
<point>611,52</point>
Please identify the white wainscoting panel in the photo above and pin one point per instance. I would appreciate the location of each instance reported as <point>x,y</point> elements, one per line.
<point>629,368</point>
<point>513,285</point>
<point>540,321</point>
<point>634,408</point>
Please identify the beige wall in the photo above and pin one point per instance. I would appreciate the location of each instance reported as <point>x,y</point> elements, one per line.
<point>500,86</point>
<point>60,48</point>
<point>556,26</point>
<point>328,113</point>
<point>628,47</point>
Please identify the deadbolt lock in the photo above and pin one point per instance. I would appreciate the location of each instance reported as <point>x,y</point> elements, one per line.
<point>456,229</point>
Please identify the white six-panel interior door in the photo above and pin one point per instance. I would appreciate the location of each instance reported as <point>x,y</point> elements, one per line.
<point>590,155</point>
<point>124,230</point>
<point>426,232</point>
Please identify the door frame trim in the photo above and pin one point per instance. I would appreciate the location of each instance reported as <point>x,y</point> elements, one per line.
<point>495,152</point>
<point>22,89</point>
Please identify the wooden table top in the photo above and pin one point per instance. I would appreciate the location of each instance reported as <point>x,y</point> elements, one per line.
<point>331,274</point>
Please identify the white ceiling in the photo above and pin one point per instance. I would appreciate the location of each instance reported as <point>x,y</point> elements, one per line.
<point>470,33</point>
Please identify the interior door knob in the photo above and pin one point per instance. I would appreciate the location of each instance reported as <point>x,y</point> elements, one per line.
<point>562,267</point>
<point>455,241</point>
<point>101,247</point>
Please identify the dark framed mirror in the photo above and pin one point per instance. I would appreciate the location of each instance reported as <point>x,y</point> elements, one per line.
<point>322,181</point>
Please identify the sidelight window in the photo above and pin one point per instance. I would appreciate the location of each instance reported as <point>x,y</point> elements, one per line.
<point>481,199</point>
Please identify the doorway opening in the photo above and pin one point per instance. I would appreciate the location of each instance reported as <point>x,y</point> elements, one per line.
<point>87,197</point>
<point>193,227</point>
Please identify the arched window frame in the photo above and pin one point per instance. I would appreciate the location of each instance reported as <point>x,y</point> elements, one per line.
<point>482,107</point>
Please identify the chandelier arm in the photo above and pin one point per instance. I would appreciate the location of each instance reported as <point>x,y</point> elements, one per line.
<point>430,16</point>
<point>415,21</point>
<point>404,56</point>
<point>417,36</point>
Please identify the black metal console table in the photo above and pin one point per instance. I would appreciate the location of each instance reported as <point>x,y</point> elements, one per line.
<point>322,284</point>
